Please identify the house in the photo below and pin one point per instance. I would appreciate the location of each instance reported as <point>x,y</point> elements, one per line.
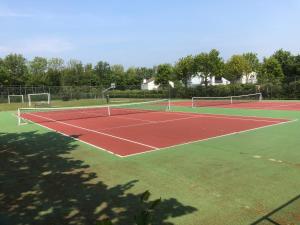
<point>250,79</point>
<point>199,80</point>
<point>150,84</point>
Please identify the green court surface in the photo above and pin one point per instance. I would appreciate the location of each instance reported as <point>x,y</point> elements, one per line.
<point>47,178</point>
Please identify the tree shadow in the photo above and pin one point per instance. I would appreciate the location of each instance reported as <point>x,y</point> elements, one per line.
<point>282,215</point>
<point>40,184</point>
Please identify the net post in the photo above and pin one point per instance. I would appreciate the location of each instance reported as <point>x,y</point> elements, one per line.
<point>48,98</point>
<point>260,97</point>
<point>8,99</point>
<point>29,100</point>
<point>169,105</point>
<point>231,99</point>
<point>108,110</point>
<point>192,102</point>
<point>19,117</point>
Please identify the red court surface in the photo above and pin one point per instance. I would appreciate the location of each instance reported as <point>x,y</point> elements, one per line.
<point>264,105</point>
<point>131,134</point>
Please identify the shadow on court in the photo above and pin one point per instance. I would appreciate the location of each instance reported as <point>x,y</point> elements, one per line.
<point>287,213</point>
<point>39,184</point>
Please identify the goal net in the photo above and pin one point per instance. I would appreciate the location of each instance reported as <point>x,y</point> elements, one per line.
<point>15,98</point>
<point>39,99</point>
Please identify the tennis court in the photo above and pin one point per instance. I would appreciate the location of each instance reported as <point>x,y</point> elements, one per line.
<point>138,128</point>
<point>265,105</point>
<point>250,101</point>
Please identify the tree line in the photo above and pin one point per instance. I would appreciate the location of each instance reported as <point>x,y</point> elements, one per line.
<point>279,68</point>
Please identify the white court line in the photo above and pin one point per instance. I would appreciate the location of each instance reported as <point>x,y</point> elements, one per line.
<point>130,118</point>
<point>94,131</point>
<point>173,120</point>
<point>274,107</point>
<point>179,113</point>
<point>151,122</point>
<point>77,139</point>
<point>233,117</point>
<point>210,138</point>
<point>228,116</point>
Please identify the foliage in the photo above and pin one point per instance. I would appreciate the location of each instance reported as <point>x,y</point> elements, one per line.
<point>253,64</point>
<point>103,71</point>
<point>164,74</point>
<point>235,67</point>
<point>37,71</point>
<point>208,65</point>
<point>14,69</point>
<point>184,69</point>
<point>278,71</point>
<point>286,61</point>
<point>271,71</point>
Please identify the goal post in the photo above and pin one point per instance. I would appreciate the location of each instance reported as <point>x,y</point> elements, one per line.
<point>10,97</point>
<point>39,97</point>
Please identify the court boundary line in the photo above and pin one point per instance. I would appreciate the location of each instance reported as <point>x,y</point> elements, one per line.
<point>98,132</point>
<point>278,107</point>
<point>165,148</point>
<point>237,117</point>
<point>179,119</point>
<point>68,136</point>
<point>226,115</point>
<point>210,138</point>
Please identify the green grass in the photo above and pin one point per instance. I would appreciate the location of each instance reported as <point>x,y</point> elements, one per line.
<point>231,180</point>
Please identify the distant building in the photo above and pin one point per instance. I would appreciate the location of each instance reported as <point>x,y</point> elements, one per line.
<point>250,79</point>
<point>213,81</point>
<point>150,84</point>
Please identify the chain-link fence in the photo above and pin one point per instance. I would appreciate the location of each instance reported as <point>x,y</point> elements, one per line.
<point>289,88</point>
<point>57,92</point>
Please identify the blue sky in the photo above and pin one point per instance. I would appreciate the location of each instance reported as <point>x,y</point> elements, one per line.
<point>146,33</point>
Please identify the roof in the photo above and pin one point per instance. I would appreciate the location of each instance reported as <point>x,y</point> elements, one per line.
<point>149,80</point>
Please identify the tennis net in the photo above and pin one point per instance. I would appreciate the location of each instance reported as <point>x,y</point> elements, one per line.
<point>75,113</point>
<point>215,101</point>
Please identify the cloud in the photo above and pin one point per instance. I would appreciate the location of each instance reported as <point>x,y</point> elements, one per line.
<point>37,46</point>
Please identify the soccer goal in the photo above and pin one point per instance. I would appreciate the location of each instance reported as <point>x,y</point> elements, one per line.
<point>15,98</point>
<point>39,99</point>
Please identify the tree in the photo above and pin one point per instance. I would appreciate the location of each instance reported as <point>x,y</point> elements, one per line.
<point>73,73</point>
<point>54,72</point>
<point>208,65</point>
<point>296,66</point>
<point>253,64</point>
<point>103,73</point>
<point>164,74</point>
<point>37,71</point>
<point>89,77</point>
<point>235,67</point>
<point>144,73</point>
<point>184,69</point>
<point>118,75</point>
<point>132,78</point>
<point>286,61</point>
<point>15,69</point>
<point>3,73</point>
<point>271,71</point>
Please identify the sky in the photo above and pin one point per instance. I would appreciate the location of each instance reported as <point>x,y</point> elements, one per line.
<point>147,32</point>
